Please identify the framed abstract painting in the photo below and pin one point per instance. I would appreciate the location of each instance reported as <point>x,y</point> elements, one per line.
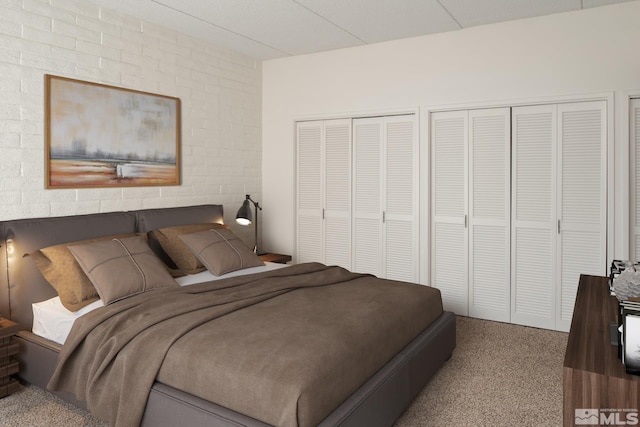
<point>105,136</point>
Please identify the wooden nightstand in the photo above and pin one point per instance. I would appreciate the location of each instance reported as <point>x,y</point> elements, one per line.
<point>279,258</point>
<point>8,364</point>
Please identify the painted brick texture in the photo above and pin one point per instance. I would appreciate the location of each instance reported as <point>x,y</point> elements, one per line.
<point>220,91</point>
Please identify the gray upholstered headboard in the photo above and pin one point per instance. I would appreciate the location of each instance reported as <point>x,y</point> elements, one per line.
<point>21,284</point>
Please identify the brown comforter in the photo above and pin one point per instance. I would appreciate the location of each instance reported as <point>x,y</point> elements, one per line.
<point>285,346</point>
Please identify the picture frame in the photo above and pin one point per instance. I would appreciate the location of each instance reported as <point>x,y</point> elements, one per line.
<point>98,135</point>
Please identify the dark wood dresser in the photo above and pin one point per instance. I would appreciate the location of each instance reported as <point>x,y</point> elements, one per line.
<point>8,364</point>
<point>594,377</point>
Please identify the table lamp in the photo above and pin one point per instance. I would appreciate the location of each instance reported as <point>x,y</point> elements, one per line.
<point>245,217</point>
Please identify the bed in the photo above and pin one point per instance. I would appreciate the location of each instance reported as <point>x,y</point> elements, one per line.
<point>378,400</point>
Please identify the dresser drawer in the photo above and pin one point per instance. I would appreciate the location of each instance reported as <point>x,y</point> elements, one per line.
<point>9,387</point>
<point>9,349</point>
<point>8,363</point>
<point>10,368</point>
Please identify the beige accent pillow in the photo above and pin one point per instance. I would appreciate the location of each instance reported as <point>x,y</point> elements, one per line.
<point>221,251</point>
<point>62,271</point>
<point>180,254</point>
<point>120,268</point>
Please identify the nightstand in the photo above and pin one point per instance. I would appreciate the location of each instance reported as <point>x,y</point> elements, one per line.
<point>8,364</point>
<point>279,258</point>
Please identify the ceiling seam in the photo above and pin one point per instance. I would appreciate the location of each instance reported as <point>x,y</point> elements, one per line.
<point>329,21</point>
<point>449,13</point>
<point>158,2</point>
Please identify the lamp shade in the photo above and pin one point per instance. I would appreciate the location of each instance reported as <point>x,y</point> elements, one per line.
<point>244,215</point>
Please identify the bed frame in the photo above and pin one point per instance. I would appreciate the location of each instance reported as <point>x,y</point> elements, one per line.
<point>378,402</point>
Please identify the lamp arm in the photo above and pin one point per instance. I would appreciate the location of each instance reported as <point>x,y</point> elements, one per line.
<point>257,248</point>
<point>255,204</point>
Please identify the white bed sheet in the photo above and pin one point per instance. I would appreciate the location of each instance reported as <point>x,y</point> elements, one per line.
<point>51,320</point>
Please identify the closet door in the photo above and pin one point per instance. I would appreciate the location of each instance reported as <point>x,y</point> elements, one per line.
<point>489,213</point>
<point>324,192</point>
<point>471,211</point>
<point>559,208</point>
<point>533,223</point>
<point>400,210</point>
<point>309,229</point>
<point>449,264</point>
<point>367,201</point>
<point>581,201</point>
<point>385,197</point>
<point>634,136</point>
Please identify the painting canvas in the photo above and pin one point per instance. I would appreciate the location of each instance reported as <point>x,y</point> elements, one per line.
<point>103,136</point>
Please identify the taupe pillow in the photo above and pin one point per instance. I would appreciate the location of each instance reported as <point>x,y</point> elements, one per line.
<point>169,240</point>
<point>120,268</point>
<point>221,251</point>
<point>61,270</point>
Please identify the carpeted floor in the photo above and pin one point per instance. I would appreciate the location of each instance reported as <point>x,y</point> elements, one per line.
<point>35,407</point>
<point>499,375</point>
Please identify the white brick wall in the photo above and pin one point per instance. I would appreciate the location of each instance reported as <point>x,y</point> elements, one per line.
<point>220,91</point>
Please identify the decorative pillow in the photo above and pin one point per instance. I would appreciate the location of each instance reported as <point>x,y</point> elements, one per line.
<point>61,270</point>
<point>180,254</point>
<point>221,251</point>
<point>120,268</point>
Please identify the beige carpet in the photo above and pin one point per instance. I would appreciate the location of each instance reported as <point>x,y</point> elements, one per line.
<point>499,375</point>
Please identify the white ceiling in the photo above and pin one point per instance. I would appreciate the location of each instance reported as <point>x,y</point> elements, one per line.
<point>266,29</point>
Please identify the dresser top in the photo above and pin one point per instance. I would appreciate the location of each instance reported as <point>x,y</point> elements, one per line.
<point>589,345</point>
<point>7,327</point>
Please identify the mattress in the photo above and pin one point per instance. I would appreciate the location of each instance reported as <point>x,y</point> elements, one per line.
<point>51,320</point>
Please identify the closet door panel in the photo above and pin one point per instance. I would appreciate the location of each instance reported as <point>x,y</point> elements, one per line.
<point>337,193</point>
<point>533,215</point>
<point>309,192</point>
<point>581,200</point>
<point>367,199</point>
<point>582,253</point>
<point>399,171</point>
<point>449,266</point>
<point>400,231</point>
<point>400,263</point>
<point>337,179</point>
<point>489,213</point>
<point>337,242</point>
<point>489,281</point>
<point>533,289</point>
<point>634,136</point>
<point>449,272</point>
<point>368,241</point>
<point>309,239</point>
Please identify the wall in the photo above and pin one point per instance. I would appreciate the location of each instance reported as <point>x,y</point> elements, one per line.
<point>593,51</point>
<point>220,91</point>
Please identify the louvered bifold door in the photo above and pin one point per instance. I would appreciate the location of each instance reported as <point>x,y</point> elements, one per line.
<point>489,214</point>
<point>400,224</point>
<point>449,271</point>
<point>367,203</point>
<point>309,233</point>
<point>581,201</point>
<point>533,221</point>
<point>337,193</point>
<point>634,134</point>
